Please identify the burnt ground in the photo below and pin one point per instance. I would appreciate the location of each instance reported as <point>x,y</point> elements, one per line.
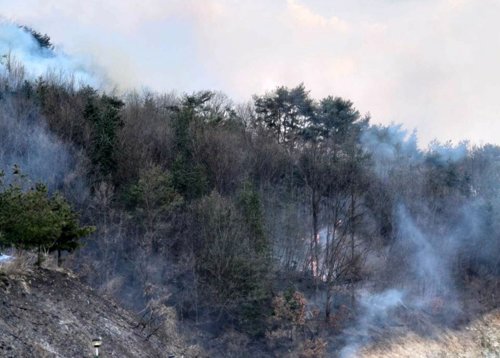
<point>45,313</point>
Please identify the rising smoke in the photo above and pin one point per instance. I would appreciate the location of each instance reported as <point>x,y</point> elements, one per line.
<point>25,140</point>
<point>375,308</point>
<point>426,241</point>
<point>429,240</point>
<point>18,46</point>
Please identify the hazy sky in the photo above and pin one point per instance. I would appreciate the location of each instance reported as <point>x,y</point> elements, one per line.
<point>433,65</point>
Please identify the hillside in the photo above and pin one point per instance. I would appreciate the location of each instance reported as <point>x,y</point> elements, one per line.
<point>480,338</point>
<point>47,313</point>
<point>290,225</point>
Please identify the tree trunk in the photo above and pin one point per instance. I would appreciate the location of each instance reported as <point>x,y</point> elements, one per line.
<point>315,239</point>
<point>39,257</point>
<point>351,219</point>
<point>328,302</point>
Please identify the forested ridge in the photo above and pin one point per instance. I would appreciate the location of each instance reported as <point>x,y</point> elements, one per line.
<point>270,227</point>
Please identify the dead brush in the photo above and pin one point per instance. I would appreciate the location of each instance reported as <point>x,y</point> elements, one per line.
<point>235,342</point>
<point>313,348</point>
<point>22,263</point>
<point>338,320</point>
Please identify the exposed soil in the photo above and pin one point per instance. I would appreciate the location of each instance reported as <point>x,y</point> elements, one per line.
<point>46,313</point>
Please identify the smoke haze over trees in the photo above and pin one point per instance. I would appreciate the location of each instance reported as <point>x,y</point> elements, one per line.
<point>291,223</point>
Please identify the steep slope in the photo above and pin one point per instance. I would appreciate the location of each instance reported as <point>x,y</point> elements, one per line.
<point>45,313</point>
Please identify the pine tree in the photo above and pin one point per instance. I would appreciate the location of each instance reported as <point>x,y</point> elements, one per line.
<point>34,219</point>
<point>104,114</point>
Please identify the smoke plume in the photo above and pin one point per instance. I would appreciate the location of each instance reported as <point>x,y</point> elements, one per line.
<point>431,236</point>
<point>19,47</point>
<point>26,142</point>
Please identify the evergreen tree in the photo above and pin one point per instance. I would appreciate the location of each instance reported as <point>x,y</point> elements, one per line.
<point>43,40</point>
<point>104,114</point>
<point>34,219</point>
<point>250,205</point>
<point>70,229</point>
<point>285,112</point>
<point>188,176</point>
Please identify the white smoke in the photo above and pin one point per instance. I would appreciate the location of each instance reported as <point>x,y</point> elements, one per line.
<point>374,308</point>
<point>428,247</point>
<point>427,265</point>
<point>388,146</point>
<point>26,142</point>
<point>19,45</point>
<point>448,152</point>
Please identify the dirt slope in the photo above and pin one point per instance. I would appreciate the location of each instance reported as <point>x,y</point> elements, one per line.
<point>51,314</point>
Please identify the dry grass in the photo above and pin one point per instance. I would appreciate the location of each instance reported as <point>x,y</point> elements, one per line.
<point>22,263</point>
<point>481,338</point>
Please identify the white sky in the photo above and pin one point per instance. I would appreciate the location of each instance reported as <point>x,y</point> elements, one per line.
<point>433,65</point>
